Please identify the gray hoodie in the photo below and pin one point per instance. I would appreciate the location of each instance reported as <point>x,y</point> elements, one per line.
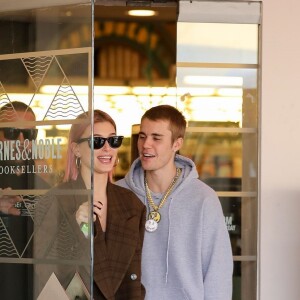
<point>189,256</point>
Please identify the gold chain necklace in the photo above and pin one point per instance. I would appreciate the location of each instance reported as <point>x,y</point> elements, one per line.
<point>154,216</point>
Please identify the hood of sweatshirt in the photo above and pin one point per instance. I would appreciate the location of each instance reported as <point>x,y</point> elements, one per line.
<point>135,177</point>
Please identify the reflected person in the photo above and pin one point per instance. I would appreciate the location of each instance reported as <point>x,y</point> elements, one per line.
<point>15,218</point>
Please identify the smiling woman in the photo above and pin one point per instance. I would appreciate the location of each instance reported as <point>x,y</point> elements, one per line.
<point>114,217</point>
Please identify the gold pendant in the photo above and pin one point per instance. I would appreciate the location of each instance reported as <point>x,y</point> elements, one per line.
<point>154,215</point>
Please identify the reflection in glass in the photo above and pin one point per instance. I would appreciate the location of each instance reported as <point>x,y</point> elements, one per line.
<point>217,78</point>
<point>37,49</point>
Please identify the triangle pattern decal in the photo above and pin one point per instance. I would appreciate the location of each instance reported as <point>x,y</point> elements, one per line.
<point>37,68</point>
<point>65,104</point>
<point>7,247</point>
<point>10,113</point>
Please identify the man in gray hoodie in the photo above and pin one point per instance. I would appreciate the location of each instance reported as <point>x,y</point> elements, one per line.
<point>187,252</point>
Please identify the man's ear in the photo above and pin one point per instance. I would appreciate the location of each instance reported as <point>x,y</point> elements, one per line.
<point>177,144</point>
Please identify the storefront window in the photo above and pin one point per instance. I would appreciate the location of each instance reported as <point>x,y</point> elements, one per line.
<point>64,58</point>
<point>217,81</point>
<point>41,254</point>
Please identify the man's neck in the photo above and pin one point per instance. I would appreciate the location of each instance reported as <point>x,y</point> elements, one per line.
<point>158,181</point>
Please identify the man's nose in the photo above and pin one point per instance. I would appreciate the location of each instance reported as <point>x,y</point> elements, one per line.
<point>147,142</point>
<point>21,137</point>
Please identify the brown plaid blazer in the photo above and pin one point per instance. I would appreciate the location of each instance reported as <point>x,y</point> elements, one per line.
<point>61,247</point>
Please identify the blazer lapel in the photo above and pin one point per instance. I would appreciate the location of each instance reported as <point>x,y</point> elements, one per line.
<point>113,251</point>
<point>120,237</point>
<point>102,268</point>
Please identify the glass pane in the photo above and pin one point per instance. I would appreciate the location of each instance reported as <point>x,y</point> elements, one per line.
<point>219,94</point>
<point>240,289</point>
<point>219,154</point>
<point>217,85</point>
<point>64,27</point>
<point>201,42</point>
<point>44,59</point>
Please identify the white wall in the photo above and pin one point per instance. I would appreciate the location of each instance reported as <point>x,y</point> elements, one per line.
<point>280,152</point>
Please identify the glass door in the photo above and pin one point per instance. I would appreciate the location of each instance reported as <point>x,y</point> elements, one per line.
<point>205,62</point>
<point>218,88</point>
<point>46,82</point>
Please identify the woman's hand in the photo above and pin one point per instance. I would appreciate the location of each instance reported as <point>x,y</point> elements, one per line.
<point>97,208</point>
<point>82,214</point>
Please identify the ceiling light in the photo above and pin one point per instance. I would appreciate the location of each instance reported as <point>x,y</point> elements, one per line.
<point>142,12</point>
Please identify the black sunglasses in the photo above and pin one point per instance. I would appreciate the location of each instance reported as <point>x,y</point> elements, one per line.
<point>113,141</point>
<point>11,133</point>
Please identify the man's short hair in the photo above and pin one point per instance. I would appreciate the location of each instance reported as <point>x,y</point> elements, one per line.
<point>11,107</point>
<point>177,121</point>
